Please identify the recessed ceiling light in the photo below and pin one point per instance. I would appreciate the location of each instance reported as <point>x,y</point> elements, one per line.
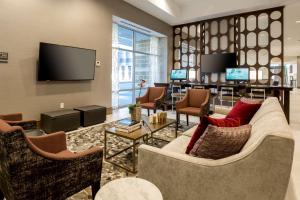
<point>298,21</point>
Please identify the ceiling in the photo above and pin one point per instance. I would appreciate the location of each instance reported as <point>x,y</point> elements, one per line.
<point>176,12</point>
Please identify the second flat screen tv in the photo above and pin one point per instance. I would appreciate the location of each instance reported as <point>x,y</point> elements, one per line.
<point>64,63</point>
<point>217,63</point>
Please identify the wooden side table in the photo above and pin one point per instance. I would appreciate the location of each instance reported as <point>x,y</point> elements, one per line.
<point>129,189</point>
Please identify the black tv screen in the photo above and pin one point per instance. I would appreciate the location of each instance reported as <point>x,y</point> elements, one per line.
<point>64,63</point>
<point>217,63</point>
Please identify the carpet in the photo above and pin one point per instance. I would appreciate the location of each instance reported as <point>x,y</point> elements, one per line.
<point>86,138</point>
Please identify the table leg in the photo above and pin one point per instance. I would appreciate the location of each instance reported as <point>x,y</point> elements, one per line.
<point>152,139</point>
<point>105,144</point>
<point>134,156</point>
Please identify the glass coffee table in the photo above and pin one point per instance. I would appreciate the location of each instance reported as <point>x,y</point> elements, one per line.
<point>145,133</point>
<point>157,127</point>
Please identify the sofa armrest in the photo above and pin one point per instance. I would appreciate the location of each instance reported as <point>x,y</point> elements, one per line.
<point>160,98</point>
<point>143,99</point>
<point>26,124</point>
<point>205,106</point>
<point>51,143</point>
<point>12,117</point>
<point>180,176</point>
<point>183,103</point>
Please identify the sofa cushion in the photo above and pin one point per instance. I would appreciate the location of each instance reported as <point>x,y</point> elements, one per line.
<point>178,145</point>
<point>149,105</point>
<point>243,111</point>
<point>205,121</point>
<point>191,131</point>
<point>221,142</point>
<point>190,110</point>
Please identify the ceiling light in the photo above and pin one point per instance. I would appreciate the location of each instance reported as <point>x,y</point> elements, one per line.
<point>298,21</point>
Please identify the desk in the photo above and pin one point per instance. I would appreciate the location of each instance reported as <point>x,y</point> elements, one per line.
<point>281,92</point>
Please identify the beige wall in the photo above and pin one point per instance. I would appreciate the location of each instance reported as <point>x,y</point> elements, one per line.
<point>82,23</point>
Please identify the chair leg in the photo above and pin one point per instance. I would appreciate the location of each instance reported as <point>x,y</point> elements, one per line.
<point>187,120</point>
<point>148,112</point>
<point>95,188</point>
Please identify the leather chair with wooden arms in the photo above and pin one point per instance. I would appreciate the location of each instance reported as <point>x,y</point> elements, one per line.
<point>195,103</point>
<point>152,99</point>
<point>41,168</point>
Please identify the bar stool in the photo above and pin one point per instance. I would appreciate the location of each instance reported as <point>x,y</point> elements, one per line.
<point>227,89</point>
<point>256,90</point>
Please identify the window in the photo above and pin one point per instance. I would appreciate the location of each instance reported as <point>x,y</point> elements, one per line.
<point>136,56</point>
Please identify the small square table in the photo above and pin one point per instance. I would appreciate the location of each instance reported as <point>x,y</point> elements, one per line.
<point>158,126</point>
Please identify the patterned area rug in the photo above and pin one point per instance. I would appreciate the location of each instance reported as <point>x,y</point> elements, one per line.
<point>86,138</point>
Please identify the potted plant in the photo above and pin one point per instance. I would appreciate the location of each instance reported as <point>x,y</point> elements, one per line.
<point>135,109</point>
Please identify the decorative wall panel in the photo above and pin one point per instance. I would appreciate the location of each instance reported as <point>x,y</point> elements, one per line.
<point>256,38</point>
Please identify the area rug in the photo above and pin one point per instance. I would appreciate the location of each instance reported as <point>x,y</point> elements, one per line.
<point>86,138</point>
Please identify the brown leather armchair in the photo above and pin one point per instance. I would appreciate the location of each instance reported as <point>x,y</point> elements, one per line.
<point>195,103</point>
<point>16,119</point>
<point>152,99</point>
<point>41,168</point>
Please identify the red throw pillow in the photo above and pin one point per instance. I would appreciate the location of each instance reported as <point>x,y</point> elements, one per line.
<point>243,111</point>
<point>205,121</point>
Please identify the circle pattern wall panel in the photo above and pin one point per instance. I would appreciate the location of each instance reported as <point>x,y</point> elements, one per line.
<point>256,38</point>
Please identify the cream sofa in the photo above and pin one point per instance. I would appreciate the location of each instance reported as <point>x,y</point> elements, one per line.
<point>261,171</point>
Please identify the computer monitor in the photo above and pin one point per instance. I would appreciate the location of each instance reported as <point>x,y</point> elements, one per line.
<point>237,74</point>
<point>179,74</point>
<point>217,63</point>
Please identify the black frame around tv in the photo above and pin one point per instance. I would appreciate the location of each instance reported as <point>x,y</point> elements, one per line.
<point>217,63</point>
<point>65,63</point>
<point>174,78</point>
<point>245,78</point>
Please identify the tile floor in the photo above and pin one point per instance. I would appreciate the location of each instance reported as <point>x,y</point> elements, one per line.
<point>294,186</point>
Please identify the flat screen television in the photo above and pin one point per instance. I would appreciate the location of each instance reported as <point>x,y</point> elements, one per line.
<point>64,63</point>
<point>237,74</point>
<point>217,63</point>
<point>178,74</point>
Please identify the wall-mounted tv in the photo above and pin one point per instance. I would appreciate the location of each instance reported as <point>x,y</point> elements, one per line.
<point>217,63</point>
<point>64,63</point>
<point>178,74</point>
<point>237,74</point>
